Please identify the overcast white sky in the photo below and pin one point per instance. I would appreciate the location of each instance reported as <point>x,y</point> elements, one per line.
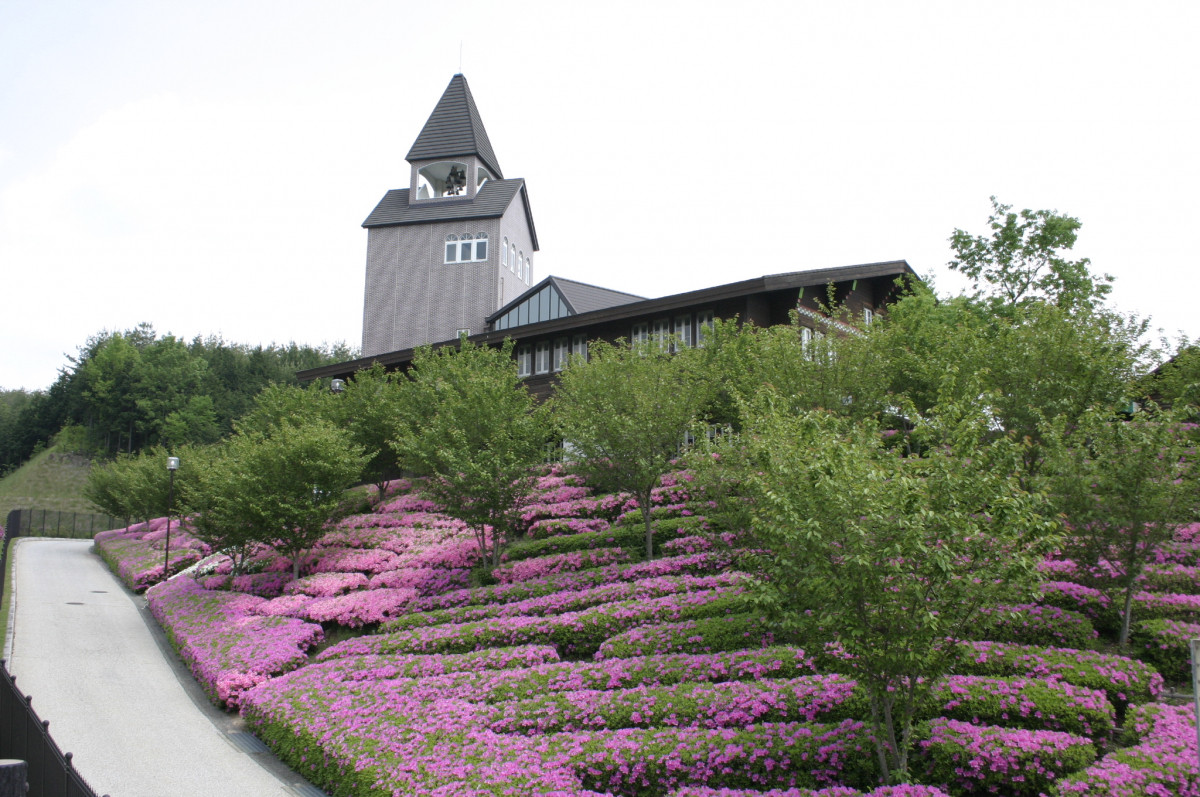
<point>206,166</point>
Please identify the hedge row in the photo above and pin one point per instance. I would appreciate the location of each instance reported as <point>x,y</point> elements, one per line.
<point>574,633</point>
<point>1040,626</point>
<point>567,600</point>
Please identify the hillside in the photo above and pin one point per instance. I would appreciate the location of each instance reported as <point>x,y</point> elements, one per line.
<point>578,669</point>
<point>49,480</point>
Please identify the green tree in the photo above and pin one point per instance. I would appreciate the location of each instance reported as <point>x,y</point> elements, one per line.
<point>282,405</point>
<point>1176,383</point>
<point>830,367</point>
<point>368,408</point>
<point>1035,362</point>
<point>468,423</point>
<point>1124,486</point>
<point>211,494</point>
<point>892,557</point>
<point>131,485</point>
<point>1024,258</point>
<point>289,481</point>
<point>626,412</point>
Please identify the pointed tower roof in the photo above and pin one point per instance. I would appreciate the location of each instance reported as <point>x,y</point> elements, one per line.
<point>454,128</point>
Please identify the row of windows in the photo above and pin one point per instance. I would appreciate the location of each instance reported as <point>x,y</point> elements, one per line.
<point>516,261</point>
<point>683,330</point>
<point>546,356</point>
<point>466,248</point>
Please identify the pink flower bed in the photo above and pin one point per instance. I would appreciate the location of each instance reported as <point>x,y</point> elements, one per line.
<point>324,585</point>
<point>543,566</point>
<point>423,580</point>
<point>970,759</point>
<point>360,608</point>
<point>1161,763</point>
<point>227,647</point>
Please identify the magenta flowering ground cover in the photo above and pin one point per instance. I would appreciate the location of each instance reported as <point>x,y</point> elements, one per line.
<point>227,647</point>
<point>968,758</point>
<point>136,553</point>
<point>474,690</point>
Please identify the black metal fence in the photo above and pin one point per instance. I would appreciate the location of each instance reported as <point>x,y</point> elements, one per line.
<point>23,735</point>
<point>53,523</point>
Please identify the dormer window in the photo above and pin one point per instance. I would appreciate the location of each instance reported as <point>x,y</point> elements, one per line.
<point>443,179</point>
<point>466,248</point>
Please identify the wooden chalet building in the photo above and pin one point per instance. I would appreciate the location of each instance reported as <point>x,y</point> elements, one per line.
<point>451,256</point>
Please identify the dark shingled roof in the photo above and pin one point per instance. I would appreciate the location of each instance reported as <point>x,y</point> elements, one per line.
<point>585,298</point>
<point>579,296</point>
<point>493,199</point>
<point>454,128</point>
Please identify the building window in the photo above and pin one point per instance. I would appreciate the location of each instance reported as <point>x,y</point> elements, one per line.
<point>462,333</point>
<point>504,253</point>
<point>868,316</point>
<point>512,259</point>
<point>524,360</point>
<point>579,346</point>
<point>683,331</point>
<point>541,361</point>
<point>640,334</point>
<point>661,331</point>
<point>466,248</point>
<point>704,326</point>
<point>562,349</point>
<point>529,270</point>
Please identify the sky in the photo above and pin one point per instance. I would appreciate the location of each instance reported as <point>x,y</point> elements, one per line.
<point>206,167</point>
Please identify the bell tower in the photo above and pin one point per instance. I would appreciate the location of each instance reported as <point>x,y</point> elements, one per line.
<point>455,245</point>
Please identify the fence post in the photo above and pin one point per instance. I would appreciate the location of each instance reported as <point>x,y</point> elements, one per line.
<point>13,777</point>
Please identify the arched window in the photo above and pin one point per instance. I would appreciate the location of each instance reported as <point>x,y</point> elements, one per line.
<point>451,248</point>
<point>521,272</point>
<point>504,252</point>
<point>512,260</point>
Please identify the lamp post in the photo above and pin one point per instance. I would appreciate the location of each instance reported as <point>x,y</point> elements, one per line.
<point>337,386</point>
<point>172,466</point>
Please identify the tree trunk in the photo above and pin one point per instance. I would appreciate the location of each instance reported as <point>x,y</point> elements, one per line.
<point>1126,615</point>
<point>644,500</point>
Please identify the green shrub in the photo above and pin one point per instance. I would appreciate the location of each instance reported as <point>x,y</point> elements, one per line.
<point>1164,644</point>
<point>708,635</point>
<point>575,633</point>
<point>620,536</point>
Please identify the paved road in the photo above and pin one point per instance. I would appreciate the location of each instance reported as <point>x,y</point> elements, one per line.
<point>99,669</point>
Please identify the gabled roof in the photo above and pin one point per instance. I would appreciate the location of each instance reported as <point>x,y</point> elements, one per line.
<point>579,297</point>
<point>493,199</point>
<point>555,297</point>
<point>454,129</point>
<point>585,298</point>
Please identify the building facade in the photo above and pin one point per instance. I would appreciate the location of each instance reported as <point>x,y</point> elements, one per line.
<point>451,256</point>
<point>446,252</point>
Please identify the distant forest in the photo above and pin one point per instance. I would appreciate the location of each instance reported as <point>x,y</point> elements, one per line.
<point>124,391</point>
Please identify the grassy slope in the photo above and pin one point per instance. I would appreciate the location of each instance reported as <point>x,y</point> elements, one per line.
<point>50,480</point>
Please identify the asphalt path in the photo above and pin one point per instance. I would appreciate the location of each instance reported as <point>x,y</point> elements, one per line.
<point>100,670</point>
